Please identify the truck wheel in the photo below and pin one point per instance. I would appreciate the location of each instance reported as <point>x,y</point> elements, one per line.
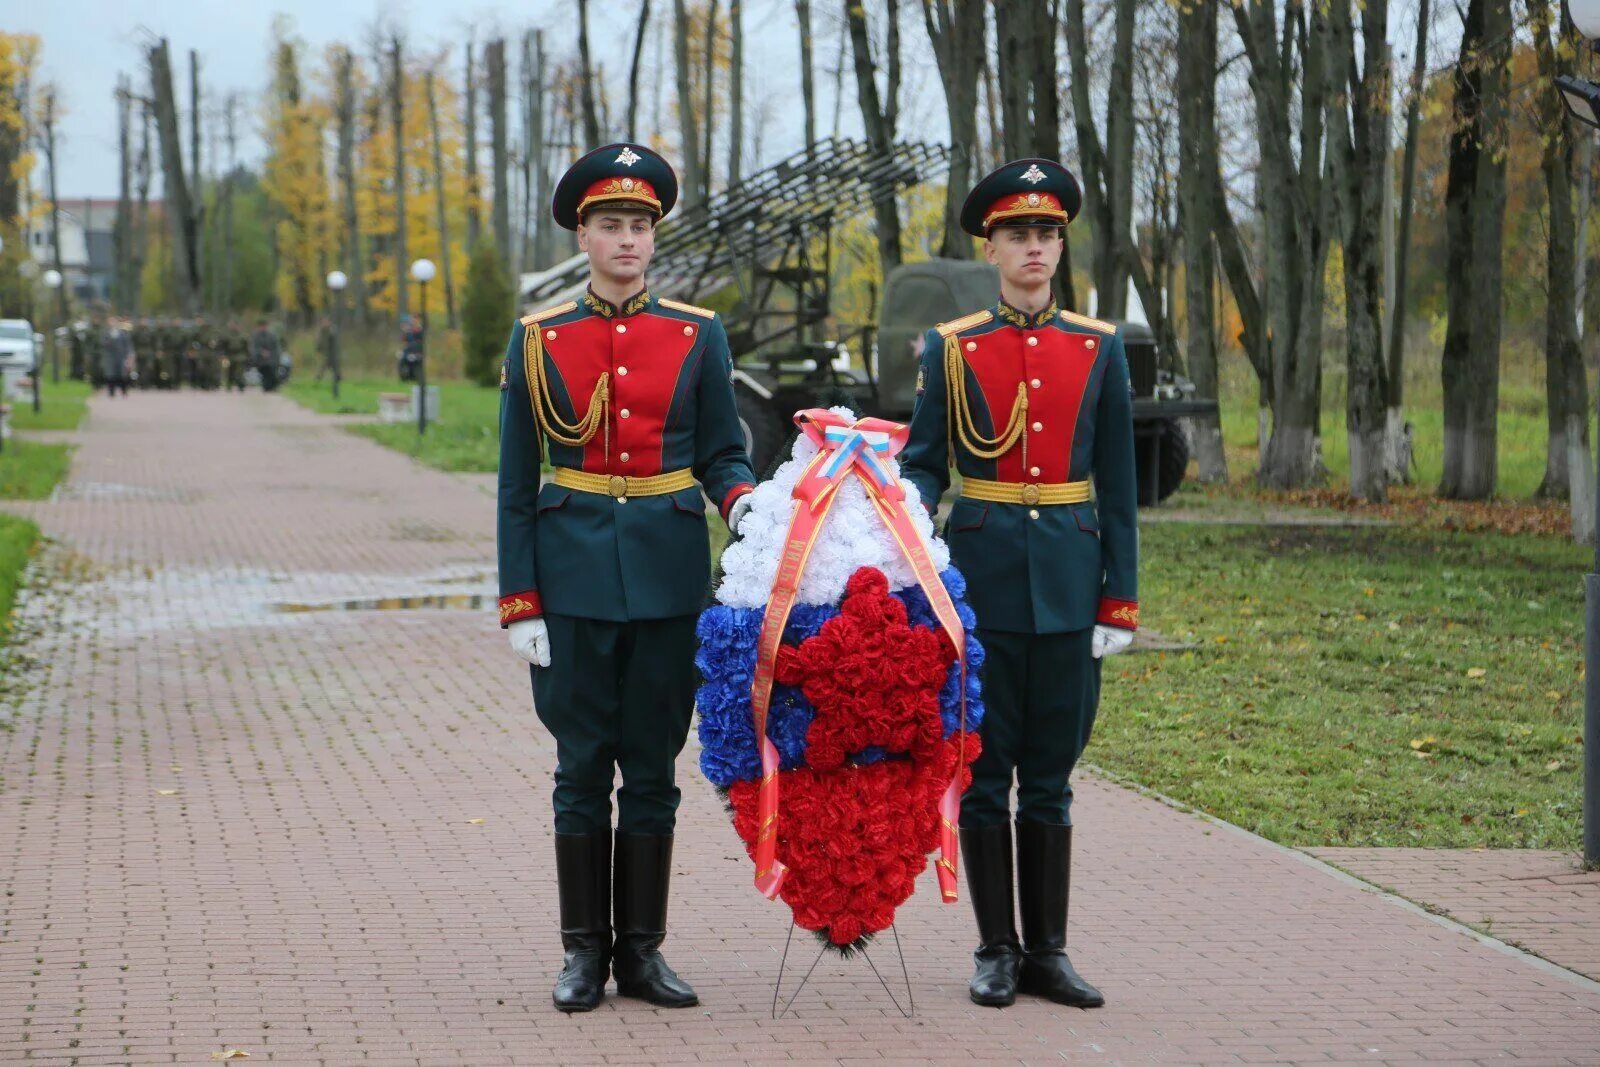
<point>764,431</point>
<point>1174,458</point>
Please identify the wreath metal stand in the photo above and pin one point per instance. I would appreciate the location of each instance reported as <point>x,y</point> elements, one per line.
<point>907,1011</point>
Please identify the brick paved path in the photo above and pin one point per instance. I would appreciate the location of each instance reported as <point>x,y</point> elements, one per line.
<point>1542,901</point>
<point>224,824</point>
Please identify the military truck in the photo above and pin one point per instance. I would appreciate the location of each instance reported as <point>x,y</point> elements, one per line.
<point>875,371</point>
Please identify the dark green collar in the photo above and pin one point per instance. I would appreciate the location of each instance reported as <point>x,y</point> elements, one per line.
<point>1024,321</point>
<point>606,309</point>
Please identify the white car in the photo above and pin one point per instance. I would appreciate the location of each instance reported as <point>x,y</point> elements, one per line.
<point>16,345</point>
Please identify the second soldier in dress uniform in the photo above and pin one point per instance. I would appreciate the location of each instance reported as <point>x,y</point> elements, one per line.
<point>604,570</point>
<point>1030,404</point>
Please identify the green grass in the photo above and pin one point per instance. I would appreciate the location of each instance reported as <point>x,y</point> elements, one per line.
<point>1384,686</point>
<point>466,437</point>
<point>62,406</point>
<point>17,540</point>
<point>29,471</point>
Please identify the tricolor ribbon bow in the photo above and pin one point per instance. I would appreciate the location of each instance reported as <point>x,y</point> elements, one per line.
<point>862,448</point>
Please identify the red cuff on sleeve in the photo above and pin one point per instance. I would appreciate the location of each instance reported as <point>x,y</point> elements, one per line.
<point>1123,614</point>
<point>519,606</point>
<point>733,495</point>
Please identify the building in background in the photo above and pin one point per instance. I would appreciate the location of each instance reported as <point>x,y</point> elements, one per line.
<point>88,254</point>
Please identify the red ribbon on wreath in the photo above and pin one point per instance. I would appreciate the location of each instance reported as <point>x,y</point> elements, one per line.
<point>861,448</point>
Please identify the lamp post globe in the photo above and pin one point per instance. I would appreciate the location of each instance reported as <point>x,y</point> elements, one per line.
<point>337,280</point>
<point>422,270</point>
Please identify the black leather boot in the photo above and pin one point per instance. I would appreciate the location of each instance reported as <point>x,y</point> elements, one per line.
<point>644,871</point>
<point>986,852</point>
<point>583,873</point>
<point>1044,880</point>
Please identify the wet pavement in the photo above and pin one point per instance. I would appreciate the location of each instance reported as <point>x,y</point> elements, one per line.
<point>275,784</point>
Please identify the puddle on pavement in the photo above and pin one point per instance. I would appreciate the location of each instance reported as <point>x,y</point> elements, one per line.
<point>136,601</point>
<point>438,601</point>
<point>74,490</point>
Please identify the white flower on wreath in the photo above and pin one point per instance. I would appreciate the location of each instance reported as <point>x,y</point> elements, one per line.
<point>853,536</point>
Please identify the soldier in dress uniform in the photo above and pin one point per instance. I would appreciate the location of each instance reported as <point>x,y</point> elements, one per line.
<point>1030,404</point>
<point>604,570</point>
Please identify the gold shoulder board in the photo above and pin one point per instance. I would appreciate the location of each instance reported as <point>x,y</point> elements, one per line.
<point>678,305</point>
<point>1084,320</point>
<point>965,322</point>
<point>549,313</point>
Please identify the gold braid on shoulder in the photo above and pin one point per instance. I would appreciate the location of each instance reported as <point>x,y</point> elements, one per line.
<point>551,424</point>
<point>959,412</point>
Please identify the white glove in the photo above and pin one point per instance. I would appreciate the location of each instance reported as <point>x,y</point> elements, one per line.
<point>530,639</point>
<point>1109,640</point>
<point>737,512</point>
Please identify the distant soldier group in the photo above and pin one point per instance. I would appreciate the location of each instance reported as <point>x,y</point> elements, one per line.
<point>117,353</point>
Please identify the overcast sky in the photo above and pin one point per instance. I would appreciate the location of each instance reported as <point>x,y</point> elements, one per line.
<point>86,43</point>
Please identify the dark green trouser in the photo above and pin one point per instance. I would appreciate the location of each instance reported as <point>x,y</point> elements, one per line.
<point>617,696</point>
<point>1041,692</point>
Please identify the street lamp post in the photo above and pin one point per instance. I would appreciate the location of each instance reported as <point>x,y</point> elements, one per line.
<point>422,271</point>
<point>336,282</point>
<point>52,281</point>
<point>1582,98</point>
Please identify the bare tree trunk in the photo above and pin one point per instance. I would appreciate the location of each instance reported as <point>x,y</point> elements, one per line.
<point>122,232</point>
<point>993,149</point>
<point>1475,198</point>
<point>955,28</point>
<point>735,88</point>
<point>495,53</point>
<point>1398,434</point>
<point>808,96</point>
<point>198,200</point>
<point>141,226</point>
<point>178,207</point>
<point>1566,383</point>
<point>230,135</point>
<point>439,209</point>
<point>1358,145</point>
<point>1197,217</point>
<point>591,118</point>
<point>397,117</point>
<point>879,119</point>
<point>688,122</point>
<point>1295,216</point>
<point>351,260</point>
<point>524,256</point>
<point>47,144</point>
<point>540,155</point>
<point>1013,30</point>
<point>474,188</point>
<point>633,68</point>
<point>1107,169</point>
<point>708,81</point>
